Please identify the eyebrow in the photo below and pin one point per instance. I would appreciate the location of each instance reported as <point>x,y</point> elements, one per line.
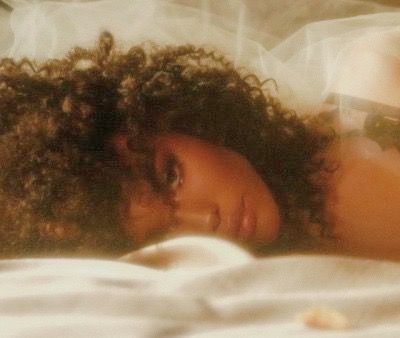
<point>145,167</point>
<point>152,174</point>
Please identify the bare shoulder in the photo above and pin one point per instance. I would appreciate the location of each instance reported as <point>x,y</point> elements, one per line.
<point>364,201</point>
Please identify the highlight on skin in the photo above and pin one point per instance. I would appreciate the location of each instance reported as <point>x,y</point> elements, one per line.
<point>61,178</point>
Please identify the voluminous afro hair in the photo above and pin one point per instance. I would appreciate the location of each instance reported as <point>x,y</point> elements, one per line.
<point>60,180</point>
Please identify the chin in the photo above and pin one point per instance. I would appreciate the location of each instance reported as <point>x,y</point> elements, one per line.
<point>268,229</point>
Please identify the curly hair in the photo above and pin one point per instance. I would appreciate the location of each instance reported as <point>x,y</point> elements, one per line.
<point>60,178</point>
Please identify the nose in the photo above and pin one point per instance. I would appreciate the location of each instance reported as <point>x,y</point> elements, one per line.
<point>197,216</point>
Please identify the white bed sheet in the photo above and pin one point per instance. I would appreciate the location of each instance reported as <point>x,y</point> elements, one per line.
<point>231,295</point>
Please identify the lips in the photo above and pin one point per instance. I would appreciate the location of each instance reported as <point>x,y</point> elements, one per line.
<point>247,222</point>
<point>242,223</point>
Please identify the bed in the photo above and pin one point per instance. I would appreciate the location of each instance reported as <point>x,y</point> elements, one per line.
<point>202,286</point>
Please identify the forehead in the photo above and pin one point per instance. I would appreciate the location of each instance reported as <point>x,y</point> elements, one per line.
<point>196,154</point>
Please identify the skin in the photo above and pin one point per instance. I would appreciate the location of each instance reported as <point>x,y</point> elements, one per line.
<point>209,189</point>
<point>363,203</point>
<point>207,184</point>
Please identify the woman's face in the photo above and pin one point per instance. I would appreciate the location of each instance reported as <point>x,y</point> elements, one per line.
<point>204,189</point>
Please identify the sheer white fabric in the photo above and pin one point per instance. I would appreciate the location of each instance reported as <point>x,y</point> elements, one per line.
<point>275,39</point>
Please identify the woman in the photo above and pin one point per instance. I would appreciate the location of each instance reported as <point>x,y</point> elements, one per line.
<point>104,150</point>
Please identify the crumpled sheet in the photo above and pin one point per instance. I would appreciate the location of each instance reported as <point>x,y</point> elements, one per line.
<point>220,291</point>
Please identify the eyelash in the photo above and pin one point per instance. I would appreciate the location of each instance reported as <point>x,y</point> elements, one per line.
<point>171,175</point>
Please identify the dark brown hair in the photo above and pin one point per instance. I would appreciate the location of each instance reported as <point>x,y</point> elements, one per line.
<point>59,177</point>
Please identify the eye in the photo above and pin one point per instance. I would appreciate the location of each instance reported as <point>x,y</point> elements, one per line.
<point>171,174</point>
